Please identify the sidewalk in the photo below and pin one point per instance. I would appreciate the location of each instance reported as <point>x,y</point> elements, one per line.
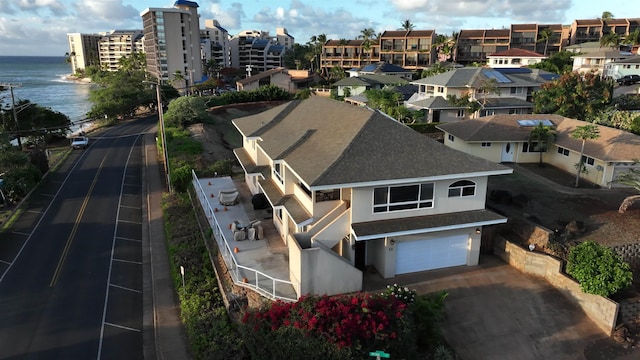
<point>163,335</point>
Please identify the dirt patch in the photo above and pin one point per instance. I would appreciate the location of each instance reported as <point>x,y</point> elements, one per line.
<point>554,207</point>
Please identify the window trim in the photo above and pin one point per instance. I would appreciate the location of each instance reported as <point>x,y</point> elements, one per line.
<point>563,151</point>
<point>418,203</point>
<point>588,160</point>
<point>277,171</point>
<point>460,187</point>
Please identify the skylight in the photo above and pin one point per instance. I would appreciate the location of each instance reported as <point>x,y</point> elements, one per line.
<point>532,122</point>
<point>494,74</point>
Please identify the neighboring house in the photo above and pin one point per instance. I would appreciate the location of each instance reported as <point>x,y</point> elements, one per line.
<point>290,80</point>
<point>382,68</point>
<point>619,68</point>
<point>358,85</point>
<point>514,58</point>
<point>515,90</point>
<point>504,138</point>
<point>353,189</point>
<point>597,60</point>
<point>406,91</point>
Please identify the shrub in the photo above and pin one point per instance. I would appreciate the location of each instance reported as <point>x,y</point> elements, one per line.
<point>427,311</point>
<point>403,294</point>
<point>347,326</point>
<point>598,270</point>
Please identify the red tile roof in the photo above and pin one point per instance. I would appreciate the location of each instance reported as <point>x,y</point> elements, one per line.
<point>518,52</point>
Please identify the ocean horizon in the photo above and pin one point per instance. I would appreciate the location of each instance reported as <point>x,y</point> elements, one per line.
<point>43,80</point>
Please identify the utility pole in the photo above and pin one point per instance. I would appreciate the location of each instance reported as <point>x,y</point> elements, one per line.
<point>13,107</point>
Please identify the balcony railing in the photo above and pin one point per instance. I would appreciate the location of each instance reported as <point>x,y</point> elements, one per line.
<point>256,280</point>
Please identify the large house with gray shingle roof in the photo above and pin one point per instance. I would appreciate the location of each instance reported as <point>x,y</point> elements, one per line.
<point>504,138</point>
<point>515,87</point>
<point>353,189</point>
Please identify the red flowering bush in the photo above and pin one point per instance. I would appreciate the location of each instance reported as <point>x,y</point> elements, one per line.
<point>349,325</point>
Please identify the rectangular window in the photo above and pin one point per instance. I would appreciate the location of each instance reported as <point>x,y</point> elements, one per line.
<point>451,138</point>
<point>277,171</point>
<point>486,144</point>
<point>403,197</point>
<point>563,151</point>
<point>526,147</point>
<point>440,89</point>
<point>460,113</point>
<point>517,90</point>
<point>588,160</point>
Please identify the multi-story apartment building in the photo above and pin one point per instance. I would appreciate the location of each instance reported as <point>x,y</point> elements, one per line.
<point>83,50</point>
<point>214,44</point>
<point>172,42</point>
<point>587,30</point>
<point>116,44</point>
<point>257,51</point>
<point>411,50</point>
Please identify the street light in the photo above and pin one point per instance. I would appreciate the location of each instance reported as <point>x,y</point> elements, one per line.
<point>162,133</point>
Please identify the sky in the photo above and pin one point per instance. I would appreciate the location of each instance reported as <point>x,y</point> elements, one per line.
<point>40,27</point>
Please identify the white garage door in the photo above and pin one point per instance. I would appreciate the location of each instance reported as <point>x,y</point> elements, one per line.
<point>420,255</point>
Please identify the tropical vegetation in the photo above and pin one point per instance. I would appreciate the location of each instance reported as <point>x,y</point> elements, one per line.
<point>583,133</point>
<point>598,269</point>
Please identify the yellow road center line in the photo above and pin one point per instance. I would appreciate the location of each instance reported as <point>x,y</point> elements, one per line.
<point>72,235</point>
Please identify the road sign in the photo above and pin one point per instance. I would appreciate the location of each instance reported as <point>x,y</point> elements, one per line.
<point>379,354</point>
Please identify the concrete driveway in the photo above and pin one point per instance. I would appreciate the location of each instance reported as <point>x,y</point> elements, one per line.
<point>496,312</point>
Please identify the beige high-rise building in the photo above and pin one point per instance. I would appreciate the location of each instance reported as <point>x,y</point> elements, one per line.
<point>116,44</point>
<point>214,44</point>
<point>83,50</point>
<point>172,43</point>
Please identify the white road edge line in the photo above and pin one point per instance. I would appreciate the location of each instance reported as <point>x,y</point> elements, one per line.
<point>126,288</point>
<point>122,327</point>
<point>130,222</point>
<point>20,233</point>
<point>128,261</point>
<point>128,239</point>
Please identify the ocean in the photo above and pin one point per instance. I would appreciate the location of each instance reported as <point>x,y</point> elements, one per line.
<point>43,82</point>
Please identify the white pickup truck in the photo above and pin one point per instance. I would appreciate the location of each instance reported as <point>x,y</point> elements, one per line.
<point>79,142</point>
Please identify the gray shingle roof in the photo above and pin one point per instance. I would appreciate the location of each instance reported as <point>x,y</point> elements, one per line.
<point>612,145</point>
<point>351,145</point>
<point>420,223</point>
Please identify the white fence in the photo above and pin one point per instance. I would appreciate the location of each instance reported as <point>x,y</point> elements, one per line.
<point>258,281</point>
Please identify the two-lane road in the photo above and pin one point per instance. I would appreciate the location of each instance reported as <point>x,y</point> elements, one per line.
<point>71,267</point>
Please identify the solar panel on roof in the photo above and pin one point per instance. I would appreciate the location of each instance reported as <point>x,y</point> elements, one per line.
<point>520,70</point>
<point>534,122</point>
<point>498,76</point>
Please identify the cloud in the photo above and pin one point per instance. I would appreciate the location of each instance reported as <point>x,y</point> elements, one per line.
<point>229,18</point>
<point>113,13</point>
<point>33,6</point>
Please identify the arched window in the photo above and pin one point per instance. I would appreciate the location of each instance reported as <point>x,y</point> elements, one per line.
<point>462,188</point>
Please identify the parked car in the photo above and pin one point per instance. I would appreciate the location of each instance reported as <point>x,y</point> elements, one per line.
<point>79,142</point>
<point>629,80</point>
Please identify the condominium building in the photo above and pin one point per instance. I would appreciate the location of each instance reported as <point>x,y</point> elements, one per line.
<point>214,44</point>
<point>257,51</point>
<point>587,30</point>
<point>411,50</point>
<point>172,43</point>
<point>83,50</point>
<point>116,44</point>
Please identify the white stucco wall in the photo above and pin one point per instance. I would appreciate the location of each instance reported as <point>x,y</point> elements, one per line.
<point>362,202</point>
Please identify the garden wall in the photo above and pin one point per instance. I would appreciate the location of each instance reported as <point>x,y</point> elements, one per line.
<point>602,311</point>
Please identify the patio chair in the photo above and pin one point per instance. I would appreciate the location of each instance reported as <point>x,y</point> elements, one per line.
<point>228,197</point>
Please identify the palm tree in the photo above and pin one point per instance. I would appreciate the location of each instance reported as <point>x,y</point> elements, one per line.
<point>439,44</point>
<point>606,16</point>
<point>612,40</point>
<point>454,44</point>
<point>584,133</point>
<point>407,25</point>
<point>540,138</point>
<point>629,178</point>
<point>545,36</point>
<point>367,34</point>
<point>633,38</point>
